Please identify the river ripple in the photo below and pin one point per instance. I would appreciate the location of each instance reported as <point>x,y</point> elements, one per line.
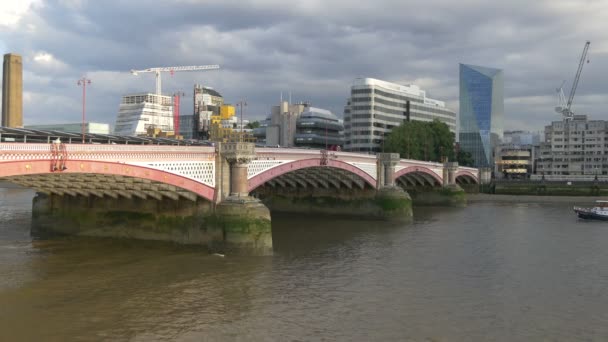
<point>489,272</point>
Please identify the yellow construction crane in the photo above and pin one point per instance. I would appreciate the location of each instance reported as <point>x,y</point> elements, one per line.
<point>172,70</point>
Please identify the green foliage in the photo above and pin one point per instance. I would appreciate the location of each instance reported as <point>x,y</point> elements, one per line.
<point>419,140</point>
<point>464,158</point>
<point>253,125</point>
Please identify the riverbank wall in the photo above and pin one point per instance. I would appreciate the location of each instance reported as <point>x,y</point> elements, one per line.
<point>545,188</point>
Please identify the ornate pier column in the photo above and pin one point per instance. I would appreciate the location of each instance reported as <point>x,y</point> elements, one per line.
<point>394,201</point>
<point>244,220</point>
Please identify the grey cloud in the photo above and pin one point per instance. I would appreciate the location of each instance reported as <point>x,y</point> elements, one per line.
<point>313,49</point>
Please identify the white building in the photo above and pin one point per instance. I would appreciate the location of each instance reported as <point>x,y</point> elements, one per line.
<point>89,127</point>
<point>375,107</point>
<point>138,112</point>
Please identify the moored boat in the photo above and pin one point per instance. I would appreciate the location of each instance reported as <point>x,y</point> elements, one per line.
<point>599,212</point>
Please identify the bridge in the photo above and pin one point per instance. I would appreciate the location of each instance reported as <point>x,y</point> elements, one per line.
<point>191,171</point>
<point>212,178</point>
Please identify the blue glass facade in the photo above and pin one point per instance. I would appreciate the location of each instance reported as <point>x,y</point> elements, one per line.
<point>481,112</point>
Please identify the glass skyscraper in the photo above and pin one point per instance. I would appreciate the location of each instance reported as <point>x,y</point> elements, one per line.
<point>481,112</point>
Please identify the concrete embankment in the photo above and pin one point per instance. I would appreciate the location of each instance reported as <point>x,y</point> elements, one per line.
<point>476,198</point>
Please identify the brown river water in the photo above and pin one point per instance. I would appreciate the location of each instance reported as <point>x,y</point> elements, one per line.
<point>493,271</point>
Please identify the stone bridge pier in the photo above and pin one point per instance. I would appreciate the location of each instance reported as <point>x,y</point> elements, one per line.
<point>244,220</point>
<point>395,202</point>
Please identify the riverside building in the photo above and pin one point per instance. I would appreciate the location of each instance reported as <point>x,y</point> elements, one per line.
<point>300,125</point>
<point>577,147</point>
<point>375,107</point>
<point>138,112</point>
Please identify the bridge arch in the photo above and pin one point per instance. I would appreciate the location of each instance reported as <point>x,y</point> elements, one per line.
<point>414,175</point>
<point>316,163</point>
<point>14,170</point>
<point>466,177</point>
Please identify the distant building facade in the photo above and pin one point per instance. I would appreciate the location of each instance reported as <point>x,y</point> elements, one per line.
<point>139,112</point>
<point>375,107</point>
<point>12,91</point>
<point>319,128</point>
<point>89,127</point>
<point>574,147</point>
<point>282,127</point>
<point>207,102</point>
<point>300,125</point>
<point>481,112</point>
<point>522,138</point>
<point>514,161</point>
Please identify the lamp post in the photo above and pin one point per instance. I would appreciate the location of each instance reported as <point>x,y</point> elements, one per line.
<point>83,82</point>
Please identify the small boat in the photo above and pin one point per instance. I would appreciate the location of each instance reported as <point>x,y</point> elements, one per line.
<point>599,212</point>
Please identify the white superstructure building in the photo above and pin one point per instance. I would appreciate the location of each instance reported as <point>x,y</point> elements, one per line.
<point>376,106</point>
<point>138,112</point>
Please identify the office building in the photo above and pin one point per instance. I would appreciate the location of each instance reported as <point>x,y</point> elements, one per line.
<point>575,147</point>
<point>89,127</point>
<point>514,161</point>
<point>319,128</point>
<point>375,107</point>
<point>12,91</point>
<point>522,138</point>
<point>139,112</point>
<point>282,127</point>
<point>481,112</point>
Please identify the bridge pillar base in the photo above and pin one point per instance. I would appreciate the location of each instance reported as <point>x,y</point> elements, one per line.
<point>395,203</point>
<point>451,195</point>
<point>246,225</point>
<point>239,225</point>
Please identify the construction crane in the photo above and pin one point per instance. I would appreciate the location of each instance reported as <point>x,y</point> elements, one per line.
<point>565,110</point>
<point>172,70</point>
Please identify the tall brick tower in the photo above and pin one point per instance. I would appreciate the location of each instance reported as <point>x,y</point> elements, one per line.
<point>12,91</point>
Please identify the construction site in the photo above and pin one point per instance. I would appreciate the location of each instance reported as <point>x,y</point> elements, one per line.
<point>157,115</point>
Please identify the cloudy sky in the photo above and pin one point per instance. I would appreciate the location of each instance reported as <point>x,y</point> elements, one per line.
<point>313,49</point>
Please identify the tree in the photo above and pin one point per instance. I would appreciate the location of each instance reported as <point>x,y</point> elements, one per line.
<point>253,125</point>
<point>421,140</point>
<point>464,158</point>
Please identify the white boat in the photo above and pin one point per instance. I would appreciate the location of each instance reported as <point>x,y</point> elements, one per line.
<point>598,212</point>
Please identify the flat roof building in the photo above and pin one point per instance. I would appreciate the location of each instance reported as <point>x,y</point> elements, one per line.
<point>138,112</point>
<point>375,107</point>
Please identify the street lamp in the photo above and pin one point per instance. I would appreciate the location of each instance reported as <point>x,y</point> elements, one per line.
<point>83,82</point>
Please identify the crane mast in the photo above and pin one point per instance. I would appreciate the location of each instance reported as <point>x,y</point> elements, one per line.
<point>172,70</point>
<point>567,112</point>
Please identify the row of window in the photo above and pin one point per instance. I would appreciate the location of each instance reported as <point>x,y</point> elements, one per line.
<point>413,107</point>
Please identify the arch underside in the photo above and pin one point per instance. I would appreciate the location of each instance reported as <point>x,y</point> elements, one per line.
<point>97,185</point>
<point>465,177</point>
<point>314,173</point>
<point>417,179</point>
<point>318,177</point>
<point>103,179</point>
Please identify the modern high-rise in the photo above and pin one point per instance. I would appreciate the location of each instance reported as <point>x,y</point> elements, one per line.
<point>12,91</point>
<point>375,107</point>
<point>481,112</point>
<point>139,112</point>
